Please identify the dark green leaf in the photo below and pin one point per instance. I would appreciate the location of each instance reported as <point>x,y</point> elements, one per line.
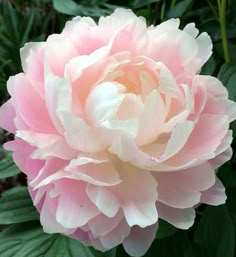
<point>67,7</point>
<point>231,203</point>
<point>209,67</point>
<point>29,240</point>
<point>227,75</point>
<point>72,8</point>
<point>7,166</point>
<point>179,9</point>
<point>177,245</point>
<point>227,175</point>
<point>165,229</point>
<point>215,233</point>
<point>141,3</point>
<point>26,27</point>
<point>16,207</point>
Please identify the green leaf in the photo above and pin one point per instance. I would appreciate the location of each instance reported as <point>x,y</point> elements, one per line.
<point>209,67</point>
<point>177,245</point>
<point>27,24</point>
<point>17,206</point>
<point>68,7</point>
<point>29,240</point>
<point>215,232</point>
<point>227,175</point>
<point>141,3</point>
<point>231,203</point>
<point>165,229</point>
<point>179,9</point>
<point>72,8</point>
<point>227,75</point>
<point>7,166</point>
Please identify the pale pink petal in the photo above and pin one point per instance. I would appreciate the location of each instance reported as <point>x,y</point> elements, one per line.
<point>151,119</point>
<point>21,155</point>
<point>223,152</point>
<point>51,167</point>
<point>47,145</point>
<point>55,61</point>
<point>103,102</point>
<point>139,240</point>
<point>180,218</point>
<point>74,207</point>
<point>117,236</point>
<point>7,115</point>
<point>179,136</point>
<point>86,35</point>
<point>32,60</point>
<point>47,217</point>
<point>94,169</point>
<point>29,105</point>
<point>53,85</point>
<point>182,189</point>
<point>79,135</point>
<point>214,195</point>
<point>104,200</point>
<point>203,147</point>
<point>168,85</point>
<point>139,209</point>
<point>102,225</point>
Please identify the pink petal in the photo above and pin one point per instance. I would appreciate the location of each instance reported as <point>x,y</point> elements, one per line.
<point>74,207</point>
<point>214,195</point>
<point>24,95</point>
<point>47,217</point>
<point>139,209</point>
<point>102,225</point>
<point>182,189</point>
<point>94,169</point>
<point>21,155</point>
<point>32,59</point>
<point>116,236</point>
<point>180,218</point>
<point>47,145</point>
<point>55,60</point>
<point>139,240</point>
<point>7,115</point>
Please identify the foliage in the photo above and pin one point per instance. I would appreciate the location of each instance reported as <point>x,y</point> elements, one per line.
<point>213,234</point>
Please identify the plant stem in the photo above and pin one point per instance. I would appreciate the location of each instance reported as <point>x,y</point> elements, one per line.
<point>173,2</point>
<point>222,17</point>
<point>163,8</point>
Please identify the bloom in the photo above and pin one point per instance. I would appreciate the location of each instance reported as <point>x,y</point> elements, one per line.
<point>114,127</point>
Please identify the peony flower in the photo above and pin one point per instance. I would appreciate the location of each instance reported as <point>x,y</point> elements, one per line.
<point>115,128</point>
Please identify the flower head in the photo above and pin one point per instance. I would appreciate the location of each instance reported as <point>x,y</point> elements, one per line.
<point>114,128</point>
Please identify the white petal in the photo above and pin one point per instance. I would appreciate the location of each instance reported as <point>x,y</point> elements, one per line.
<point>180,218</point>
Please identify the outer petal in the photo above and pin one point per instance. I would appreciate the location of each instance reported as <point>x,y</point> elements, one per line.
<point>32,60</point>
<point>182,189</point>
<point>55,61</point>
<point>24,95</point>
<point>180,218</point>
<point>21,155</point>
<point>7,115</point>
<point>139,240</point>
<point>139,209</point>
<point>214,195</point>
<point>47,145</point>
<point>74,207</point>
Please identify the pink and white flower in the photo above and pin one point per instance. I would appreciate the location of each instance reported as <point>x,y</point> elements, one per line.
<point>114,128</point>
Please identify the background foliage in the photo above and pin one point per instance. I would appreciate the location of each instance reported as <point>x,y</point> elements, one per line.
<point>213,234</point>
